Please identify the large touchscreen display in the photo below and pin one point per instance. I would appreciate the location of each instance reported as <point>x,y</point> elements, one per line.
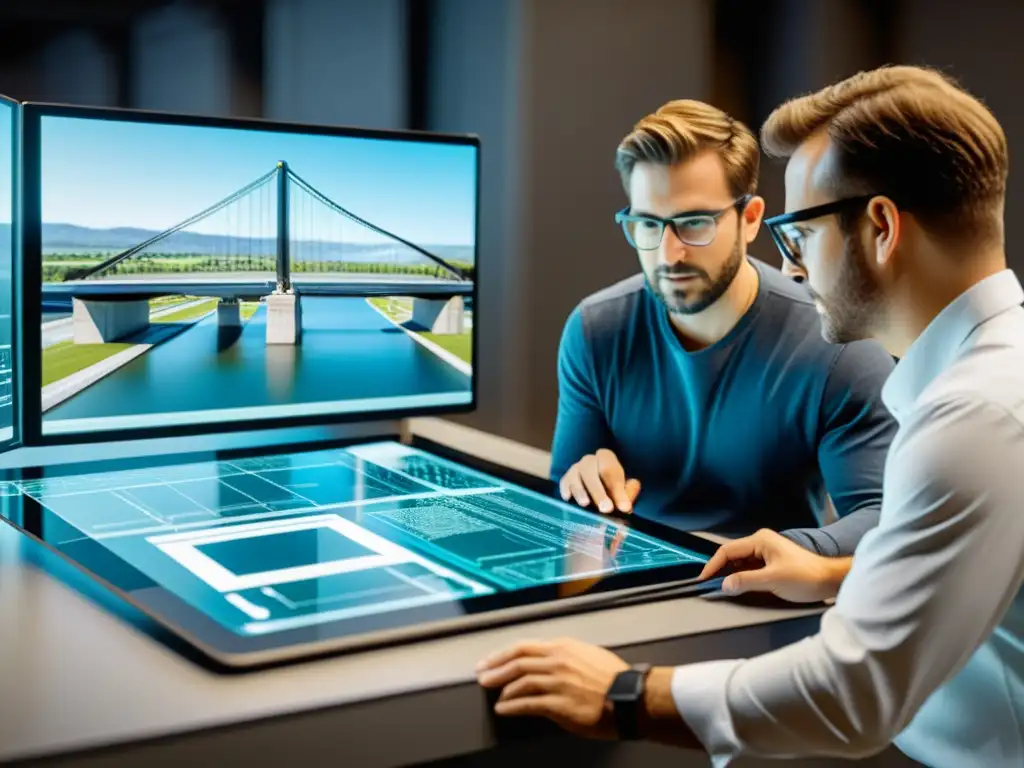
<point>198,275</point>
<point>274,543</point>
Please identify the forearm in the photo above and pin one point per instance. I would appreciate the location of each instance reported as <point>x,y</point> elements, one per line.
<point>839,538</point>
<point>579,432</point>
<point>836,570</point>
<point>660,721</point>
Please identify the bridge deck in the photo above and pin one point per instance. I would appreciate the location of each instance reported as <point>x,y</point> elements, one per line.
<point>232,288</point>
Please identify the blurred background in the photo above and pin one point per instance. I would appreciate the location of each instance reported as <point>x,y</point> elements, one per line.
<point>550,86</point>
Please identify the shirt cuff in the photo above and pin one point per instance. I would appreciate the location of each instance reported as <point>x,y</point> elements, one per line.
<point>700,693</point>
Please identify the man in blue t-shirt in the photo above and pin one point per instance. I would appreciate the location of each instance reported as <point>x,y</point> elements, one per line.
<point>701,392</point>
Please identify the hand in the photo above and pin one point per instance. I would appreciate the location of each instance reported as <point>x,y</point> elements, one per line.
<point>564,680</point>
<point>769,562</point>
<point>600,477</point>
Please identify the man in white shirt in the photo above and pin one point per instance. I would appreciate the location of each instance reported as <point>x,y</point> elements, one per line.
<point>895,192</point>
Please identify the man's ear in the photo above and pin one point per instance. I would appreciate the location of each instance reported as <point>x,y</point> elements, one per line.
<point>885,221</point>
<point>753,214</point>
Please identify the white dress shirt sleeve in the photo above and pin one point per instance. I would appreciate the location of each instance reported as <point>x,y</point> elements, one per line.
<point>926,588</point>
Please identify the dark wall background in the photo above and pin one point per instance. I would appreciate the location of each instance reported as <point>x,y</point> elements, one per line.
<point>549,85</point>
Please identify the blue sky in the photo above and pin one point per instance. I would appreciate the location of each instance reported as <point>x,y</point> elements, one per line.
<point>103,174</point>
<point>6,116</point>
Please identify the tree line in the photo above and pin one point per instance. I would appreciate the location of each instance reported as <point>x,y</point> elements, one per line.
<point>55,270</point>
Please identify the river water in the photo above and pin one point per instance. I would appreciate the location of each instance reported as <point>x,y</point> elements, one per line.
<point>347,351</point>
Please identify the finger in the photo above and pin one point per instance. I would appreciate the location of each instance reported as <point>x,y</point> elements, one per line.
<point>579,493</point>
<point>591,477</point>
<point>518,668</point>
<point>614,479</point>
<point>563,486</point>
<point>760,580</point>
<point>632,491</point>
<point>529,685</point>
<point>730,551</point>
<point>575,485</point>
<point>548,705</point>
<point>505,655</point>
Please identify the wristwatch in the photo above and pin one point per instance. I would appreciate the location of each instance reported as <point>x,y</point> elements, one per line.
<point>627,697</point>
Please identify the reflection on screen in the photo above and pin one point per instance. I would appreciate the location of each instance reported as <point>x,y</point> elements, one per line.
<point>273,543</point>
<point>195,274</point>
<point>7,220</point>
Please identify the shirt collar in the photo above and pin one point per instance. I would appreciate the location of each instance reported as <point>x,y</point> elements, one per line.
<point>933,351</point>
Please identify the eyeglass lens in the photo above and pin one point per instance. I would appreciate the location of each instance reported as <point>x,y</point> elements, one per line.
<point>792,241</point>
<point>646,234</point>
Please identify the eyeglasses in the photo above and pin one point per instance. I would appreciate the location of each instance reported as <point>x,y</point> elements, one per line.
<point>694,228</point>
<point>788,235</point>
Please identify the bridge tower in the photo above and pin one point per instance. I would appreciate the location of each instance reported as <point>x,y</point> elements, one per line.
<point>284,312</point>
<point>284,277</point>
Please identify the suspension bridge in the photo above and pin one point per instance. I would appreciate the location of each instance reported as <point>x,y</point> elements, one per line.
<point>274,240</point>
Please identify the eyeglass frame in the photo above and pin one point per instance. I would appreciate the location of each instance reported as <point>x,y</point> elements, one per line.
<point>623,217</point>
<point>773,223</point>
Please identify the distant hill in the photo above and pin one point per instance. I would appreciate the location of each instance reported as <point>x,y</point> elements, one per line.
<point>71,238</point>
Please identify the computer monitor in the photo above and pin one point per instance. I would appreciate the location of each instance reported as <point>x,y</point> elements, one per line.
<point>9,242</point>
<point>191,274</point>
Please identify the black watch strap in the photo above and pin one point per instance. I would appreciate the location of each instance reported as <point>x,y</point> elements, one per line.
<point>627,697</point>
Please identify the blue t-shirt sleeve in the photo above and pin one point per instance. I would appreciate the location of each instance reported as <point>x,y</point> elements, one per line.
<point>854,436</point>
<point>580,427</point>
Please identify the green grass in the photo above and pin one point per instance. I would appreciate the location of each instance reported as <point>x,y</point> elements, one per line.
<point>159,302</point>
<point>189,313</point>
<point>459,344</point>
<point>65,358</point>
<point>398,310</point>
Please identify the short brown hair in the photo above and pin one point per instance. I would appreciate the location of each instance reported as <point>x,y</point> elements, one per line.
<point>684,128</point>
<point>911,134</point>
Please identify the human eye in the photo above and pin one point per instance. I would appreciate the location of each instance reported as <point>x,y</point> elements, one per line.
<point>696,230</point>
<point>695,223</point>
<point>795,239</point>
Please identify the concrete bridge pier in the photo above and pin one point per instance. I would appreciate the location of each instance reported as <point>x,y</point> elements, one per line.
<point>284,318</point>
<point>440,315</point>
<point>99,322</point>
<point>229,313</point>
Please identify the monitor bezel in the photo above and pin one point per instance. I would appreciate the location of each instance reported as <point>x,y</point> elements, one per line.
<point>31,422</point>
<point>17,240</point>
<point>224,650</point>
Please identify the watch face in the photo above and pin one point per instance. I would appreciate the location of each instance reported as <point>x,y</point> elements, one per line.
<point>627,685</point>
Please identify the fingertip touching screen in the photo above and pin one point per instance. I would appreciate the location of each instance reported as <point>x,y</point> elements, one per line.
<point>200,275</point>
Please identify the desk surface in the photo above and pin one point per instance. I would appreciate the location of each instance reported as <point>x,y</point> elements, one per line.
<point>80,669</point>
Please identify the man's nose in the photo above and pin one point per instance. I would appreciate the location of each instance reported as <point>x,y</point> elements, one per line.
<point>672,249</point>
<point>792,271</point>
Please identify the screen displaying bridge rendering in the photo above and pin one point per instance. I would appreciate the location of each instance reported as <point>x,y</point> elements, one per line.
<point>197,275</point>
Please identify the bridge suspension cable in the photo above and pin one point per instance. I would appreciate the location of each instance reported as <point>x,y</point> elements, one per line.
<point>310,189</point>
<point>311,212</point>
<point>117,258</point>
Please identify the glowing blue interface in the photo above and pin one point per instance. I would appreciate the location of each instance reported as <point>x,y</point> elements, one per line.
<point>273,543</point>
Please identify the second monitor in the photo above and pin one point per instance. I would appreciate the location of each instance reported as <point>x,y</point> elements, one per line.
<point>191,273</point>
